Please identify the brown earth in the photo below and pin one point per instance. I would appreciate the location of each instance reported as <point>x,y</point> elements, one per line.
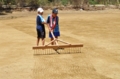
<point>98,31</point>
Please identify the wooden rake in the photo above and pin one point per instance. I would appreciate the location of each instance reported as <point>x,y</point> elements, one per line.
<point>65,47</point>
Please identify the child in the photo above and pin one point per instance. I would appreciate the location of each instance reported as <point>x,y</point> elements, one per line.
<point>53,23</point>
<point>40,27</point>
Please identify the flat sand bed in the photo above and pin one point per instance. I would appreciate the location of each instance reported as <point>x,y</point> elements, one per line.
<point>98,31</point>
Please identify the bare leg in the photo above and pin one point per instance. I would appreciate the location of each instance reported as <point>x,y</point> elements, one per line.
<point>56,40</point>
<point>38,39</point>
<point>43,41</point>
<point>56,37</point>
<point>52,42</point>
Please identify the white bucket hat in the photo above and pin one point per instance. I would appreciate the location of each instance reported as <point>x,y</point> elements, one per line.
<point>40,10</point>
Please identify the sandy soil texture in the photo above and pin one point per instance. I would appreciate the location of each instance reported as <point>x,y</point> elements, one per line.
<point>99,32</point>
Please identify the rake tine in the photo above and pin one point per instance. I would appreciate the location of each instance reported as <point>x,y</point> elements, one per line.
<point>43,51</point>
<point>77,49</point>
<point>47,50</point>
<point>50,51</point>
<point>69,49</point>
<point>34,52</point>
<point>80,49</point>
<point>66,51</point>
<point>72,50</point>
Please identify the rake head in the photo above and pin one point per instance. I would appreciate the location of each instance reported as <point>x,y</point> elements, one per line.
<point>65,48</point>
<point>57,49</point>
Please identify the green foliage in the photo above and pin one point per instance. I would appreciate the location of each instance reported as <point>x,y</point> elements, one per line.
<point>7,1</point>
<point>13,2</point>
<point>42,2</point>
<point>93,2</point>
<point>64,2</point>
<point>50,0</point>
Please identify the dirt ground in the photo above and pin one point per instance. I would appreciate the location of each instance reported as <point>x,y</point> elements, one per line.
<point>99,32</point>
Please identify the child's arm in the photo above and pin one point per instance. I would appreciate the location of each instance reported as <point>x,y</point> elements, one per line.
<point>43,21</point>
<point>48,23</point>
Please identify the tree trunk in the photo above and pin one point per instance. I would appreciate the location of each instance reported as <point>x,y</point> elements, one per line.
<point>117,3</point>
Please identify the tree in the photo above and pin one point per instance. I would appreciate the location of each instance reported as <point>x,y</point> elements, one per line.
<point>64,2</point>
<point>118,2</point>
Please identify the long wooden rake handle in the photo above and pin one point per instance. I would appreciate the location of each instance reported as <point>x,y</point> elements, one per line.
<point>51,42</point>
<point>58,39</point>
<point>63,42</point>
<point>54,38</point>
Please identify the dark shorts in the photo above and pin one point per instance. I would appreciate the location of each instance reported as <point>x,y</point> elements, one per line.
<point>56,34</point>
<point>40,34</point>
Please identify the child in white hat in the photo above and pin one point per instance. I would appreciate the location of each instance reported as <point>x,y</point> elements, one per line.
<point>40,27</point>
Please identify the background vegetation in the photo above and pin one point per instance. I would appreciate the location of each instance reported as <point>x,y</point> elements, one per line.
<point>54,2</point>
<point>77,4</point>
